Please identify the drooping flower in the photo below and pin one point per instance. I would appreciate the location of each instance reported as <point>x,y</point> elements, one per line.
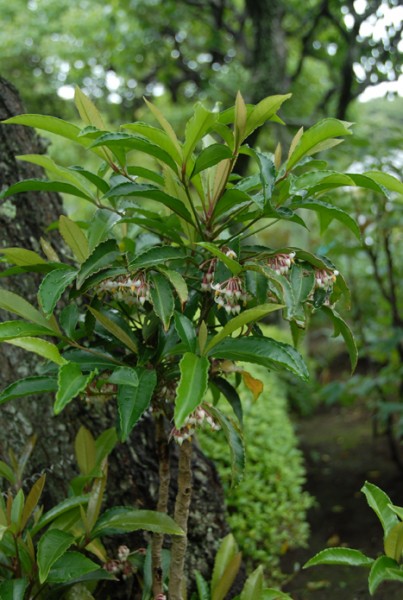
<point>229,294</point>
<point>281,263</point>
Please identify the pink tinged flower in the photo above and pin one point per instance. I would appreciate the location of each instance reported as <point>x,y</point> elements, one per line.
<point>281,263</point>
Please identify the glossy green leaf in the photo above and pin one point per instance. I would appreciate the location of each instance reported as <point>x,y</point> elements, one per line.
<point>7,473</point>
<point>327,212</point>
<point>60,509</point>
<point>114,329</point>
<point>232,264</point>
<point>157,136</point>
<point>71,382</point>
<point>196,128</point>
<point>247,316</point>
<point>102,257</point>
<point>386,180</point>
<point>28,386</point>
<point>339,556</point>
<point>227,549</point>
<point>393,542</point>
<point>153,193</point>
<point>341,327</point>
<point>41,347</point>
<point>22,257</point>
<point>253,588</point>
<point>133,401</point>
<point>74,237</point>
<point>47,123</point>
<point>100,226</point>
<point>230,393</point>
<point>273,594</point>
<point>235,442</point>
<point>162,298</point>
<point>262,351</point>
<point>124,142</point>
<point>202,587</point>
<point>186,331</point>
<point>105,443</point>
<point>210,156</point>
<point>16,329</point>
<point>124,376</point>
<point>192,386</point>
<point>85,450</point>
<point>13,589</point>
<point>53,286</point>
<point>17,508</point>
<point>19,306</point>
<point>232,200</point>
<point>156,256</point>
<point>32,500</point>
<point>121,519</point>
<point>44,185</point>
<point>317,138</point>
<point>72,565</point>
<point>52,545</point>
<point>167,127</point>
<point>69,319</point>
<point>264,111</point>
<point>87,109</point>
<point>380,571</point>
<point>220,590</point>
<point>177,281</point>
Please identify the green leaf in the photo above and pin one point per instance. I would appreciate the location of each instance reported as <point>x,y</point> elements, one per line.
<point>7,473</point>
<point>71,565</point>
<point>71,382</point>
<point>123,142</point>
<point>124,376</point>
<point>273,594</point>
<point>40,347</point>
<point>393,542</point>
<point>232,264</point>
<point>100,226</point>
<point>156,256</point>
<point>114,329</point>
<point>121,519</point>
<point>339,556</point>
<point>28,386</point>
<point>380,572</point>
<point>177,281</point>
<point>52,545</point>
<point>32,500</point>
<point>102,257</point>
<point>44,185</point>
<point>51,124</point>
<point>341,327</point>
<point>87,110</point>
<point>69,319</point>
<point>210,156</point>
<point>247,316</point>
<point>105,443</point>
<point>235,442</point>
<point>202,587</point>
<point>13,589</point>
<point>317,138</point>
<point>196,128</point>
<point>162,298</point>
<point>231,395</point>
<point>253,588</point>
<point>153,193</point>
<point>22,257</point>
<point>227,550</point>
<point>186,331</point>
<point>327,212</point>
<point>21,307</point>
<point>53,286</point>
<point>264,111</point>
<point>388,181</point>
<point>221,589</point>
<point>58,510</point>
<point>192,386</point>
<point>15,329</point>
<point>17,508</point>
<point>74,237</point>
<point>158,137</point>
<point>262,351</point>
<point>167,127</point>
<point>85,451</point>
<point>133,401</point>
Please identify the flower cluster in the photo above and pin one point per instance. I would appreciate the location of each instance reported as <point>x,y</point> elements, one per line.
<point>281,263</point>
<point>194,420</point>
<point>120,565</point>
<point>208,275</point>
<point>229,294</point>
<point>128,289</point>
<point>325,278</point>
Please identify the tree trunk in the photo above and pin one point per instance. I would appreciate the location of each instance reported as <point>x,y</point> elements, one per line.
<point>133,469</point>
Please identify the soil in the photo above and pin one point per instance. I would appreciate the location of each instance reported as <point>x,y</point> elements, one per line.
<point>341,453</point>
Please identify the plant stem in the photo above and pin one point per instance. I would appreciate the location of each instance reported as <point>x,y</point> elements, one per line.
<point>162,506</point>
<point>179,543</point>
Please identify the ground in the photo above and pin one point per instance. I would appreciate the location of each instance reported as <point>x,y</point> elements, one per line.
<point>341,454</point>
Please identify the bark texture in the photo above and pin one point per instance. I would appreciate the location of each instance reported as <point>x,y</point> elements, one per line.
<point>133,470</point>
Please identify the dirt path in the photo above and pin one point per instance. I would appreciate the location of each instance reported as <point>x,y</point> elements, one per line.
<point>341,454</point>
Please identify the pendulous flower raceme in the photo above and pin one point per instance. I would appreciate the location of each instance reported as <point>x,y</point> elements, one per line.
<point>129,289</point>
<point>281,263</point>
<point>196,419</point>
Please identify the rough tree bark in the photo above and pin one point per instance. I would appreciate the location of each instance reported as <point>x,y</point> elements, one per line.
<point>133,470</point>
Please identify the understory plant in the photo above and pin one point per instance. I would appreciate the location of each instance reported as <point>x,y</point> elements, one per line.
<point>389,565</point>
<point>159,296</point>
